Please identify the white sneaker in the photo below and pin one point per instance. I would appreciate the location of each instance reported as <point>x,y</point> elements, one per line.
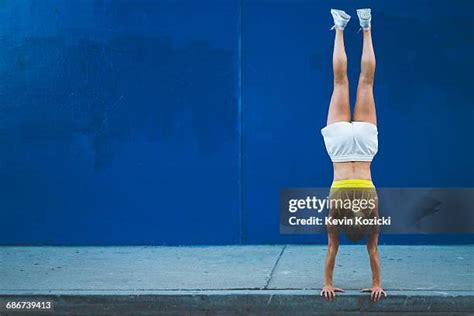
<point>364,18</point>
<point>340,18</point>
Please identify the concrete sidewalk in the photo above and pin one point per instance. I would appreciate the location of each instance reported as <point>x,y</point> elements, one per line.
<point>236,279</point>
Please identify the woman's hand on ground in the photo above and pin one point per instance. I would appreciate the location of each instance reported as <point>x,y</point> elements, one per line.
<point>329,292</point>
<point>376,293</point>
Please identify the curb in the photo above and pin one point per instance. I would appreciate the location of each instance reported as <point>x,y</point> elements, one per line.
<point>245,302</point>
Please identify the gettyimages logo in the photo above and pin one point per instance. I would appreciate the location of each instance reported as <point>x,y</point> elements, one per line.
<point>336,211</point>
<point>391,210</point>
<point>317,204</point>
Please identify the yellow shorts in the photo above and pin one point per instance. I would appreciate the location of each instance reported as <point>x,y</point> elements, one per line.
<point>352,183</point>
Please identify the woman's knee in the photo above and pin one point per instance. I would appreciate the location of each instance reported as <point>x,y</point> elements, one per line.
<point>366,81</point>
<point>341,81</point>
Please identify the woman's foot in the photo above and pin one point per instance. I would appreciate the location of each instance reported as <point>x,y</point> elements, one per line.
<point>365,17</point>
<point>340,18</point>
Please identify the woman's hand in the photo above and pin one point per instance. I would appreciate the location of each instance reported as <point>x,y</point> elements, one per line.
<point>329,292</point>
<point>376,293</point>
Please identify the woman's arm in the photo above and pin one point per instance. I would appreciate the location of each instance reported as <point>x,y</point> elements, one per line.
<point>333,246</point>
<point>328,291</point>
<point>372,249</point>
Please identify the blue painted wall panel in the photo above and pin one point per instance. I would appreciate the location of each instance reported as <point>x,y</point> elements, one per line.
<point>118,122</point>
<point>424,95</point>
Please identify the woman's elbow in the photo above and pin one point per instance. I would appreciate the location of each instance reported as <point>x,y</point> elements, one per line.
<point>372,250</point>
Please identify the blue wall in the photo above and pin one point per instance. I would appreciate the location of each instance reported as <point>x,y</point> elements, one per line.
<point>119,122</point>
<point>177,122</point>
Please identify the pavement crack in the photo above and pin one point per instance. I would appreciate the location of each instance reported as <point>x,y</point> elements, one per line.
<point>274,267</point>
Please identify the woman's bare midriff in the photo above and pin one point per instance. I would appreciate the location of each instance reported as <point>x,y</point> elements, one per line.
<point>352,170</point>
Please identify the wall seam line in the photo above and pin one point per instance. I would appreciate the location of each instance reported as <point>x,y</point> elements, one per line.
<point>243,212</point>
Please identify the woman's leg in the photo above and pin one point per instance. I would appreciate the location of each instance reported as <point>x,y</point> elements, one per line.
<point>364,110</point>
<point>339,109</point>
